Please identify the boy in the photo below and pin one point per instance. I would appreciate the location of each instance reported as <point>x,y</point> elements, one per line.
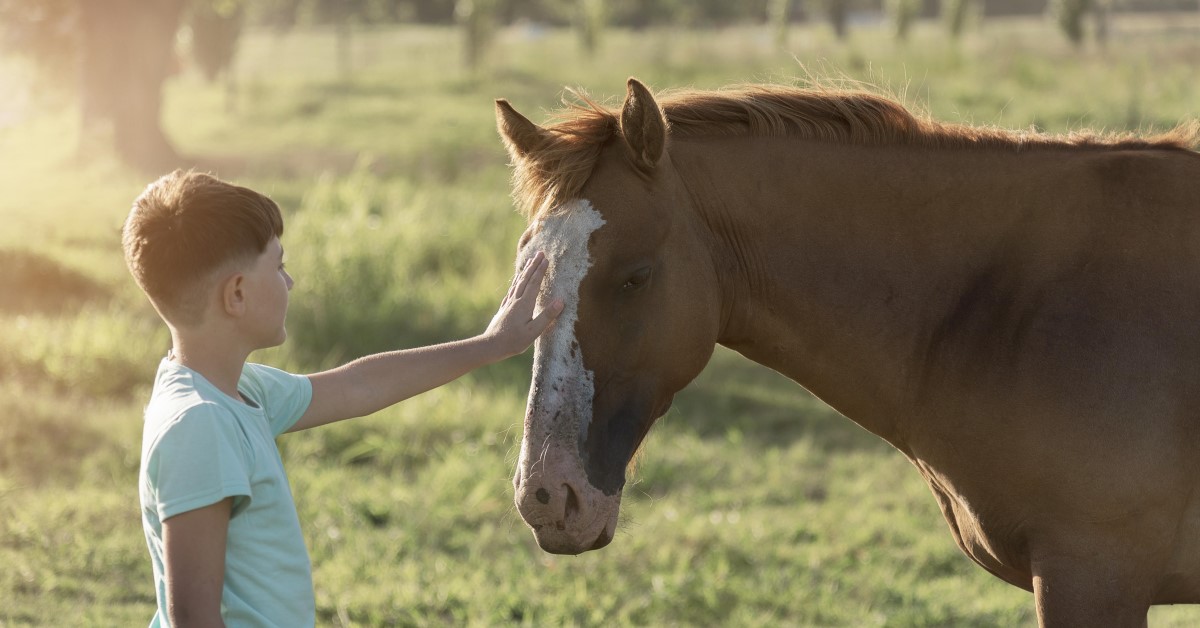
<point>220,523</point>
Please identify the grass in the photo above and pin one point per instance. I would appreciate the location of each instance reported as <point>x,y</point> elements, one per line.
<point>753,504</point>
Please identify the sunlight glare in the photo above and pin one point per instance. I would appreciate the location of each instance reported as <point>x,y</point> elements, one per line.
<point>14,88</point>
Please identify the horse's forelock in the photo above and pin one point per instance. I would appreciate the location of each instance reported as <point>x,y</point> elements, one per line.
<point>556,171</point>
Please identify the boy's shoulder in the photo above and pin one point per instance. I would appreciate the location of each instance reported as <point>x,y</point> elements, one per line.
<point>260,379</point>
<point>282,396</point>
<point>180,393</point>
<point>177,386</point>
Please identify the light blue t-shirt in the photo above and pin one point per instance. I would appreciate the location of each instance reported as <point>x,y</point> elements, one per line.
<point>200,446</point>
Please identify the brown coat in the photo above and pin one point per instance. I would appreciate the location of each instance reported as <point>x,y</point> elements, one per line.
<point>1016,314</point>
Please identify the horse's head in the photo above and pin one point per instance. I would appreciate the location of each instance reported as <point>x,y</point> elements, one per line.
<point>642,311</point>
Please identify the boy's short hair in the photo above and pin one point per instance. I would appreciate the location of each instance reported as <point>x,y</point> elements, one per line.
<point>184,227</point>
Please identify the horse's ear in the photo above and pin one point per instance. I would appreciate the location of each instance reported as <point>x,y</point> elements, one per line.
<point>643,125</point>
<point>521,137</point>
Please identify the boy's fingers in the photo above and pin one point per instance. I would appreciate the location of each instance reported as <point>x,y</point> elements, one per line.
<point>535,270</point>
<point>515,286</point>
<point>542,321</point>
<point>520,274</point>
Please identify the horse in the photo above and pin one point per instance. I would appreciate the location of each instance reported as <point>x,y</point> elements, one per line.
<point>1015,312</point>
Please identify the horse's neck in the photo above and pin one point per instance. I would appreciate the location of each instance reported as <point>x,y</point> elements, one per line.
<point>841,260</point>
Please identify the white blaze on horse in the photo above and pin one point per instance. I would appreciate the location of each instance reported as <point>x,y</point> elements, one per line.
<point>1018,314</point>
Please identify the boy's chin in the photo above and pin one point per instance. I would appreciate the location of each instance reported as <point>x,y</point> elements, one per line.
<point>278,340</point>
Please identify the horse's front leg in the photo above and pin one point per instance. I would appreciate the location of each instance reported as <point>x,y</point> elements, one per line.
<point>1091,592</point>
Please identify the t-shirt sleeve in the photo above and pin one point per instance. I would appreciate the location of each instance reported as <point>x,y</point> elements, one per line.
<point>199,460</point>
<point>284,396</point>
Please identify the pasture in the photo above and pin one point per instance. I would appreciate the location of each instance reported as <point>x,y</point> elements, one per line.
<point>752,503</point>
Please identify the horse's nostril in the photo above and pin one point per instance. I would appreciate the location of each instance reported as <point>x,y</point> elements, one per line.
<point>543,495</point>
<point>572,502</point>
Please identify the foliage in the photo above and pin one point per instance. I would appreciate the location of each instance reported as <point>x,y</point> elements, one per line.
<point>215,29</point>
<point>45,31</point>
<point>639,13</point>
<point>113,55</point>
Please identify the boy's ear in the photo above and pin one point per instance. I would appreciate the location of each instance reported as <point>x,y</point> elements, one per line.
<point>233,295</point>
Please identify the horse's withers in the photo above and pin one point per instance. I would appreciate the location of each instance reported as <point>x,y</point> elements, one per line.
<point>553,494</point>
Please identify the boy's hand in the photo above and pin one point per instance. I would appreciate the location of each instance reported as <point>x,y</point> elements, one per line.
<point>515,327</point>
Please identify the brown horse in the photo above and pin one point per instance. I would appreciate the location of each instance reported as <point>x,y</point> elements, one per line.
<point>1015,313</point>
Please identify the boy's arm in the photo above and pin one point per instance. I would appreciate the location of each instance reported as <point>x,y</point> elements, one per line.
<point>377,381</point>
<point>194,562</point>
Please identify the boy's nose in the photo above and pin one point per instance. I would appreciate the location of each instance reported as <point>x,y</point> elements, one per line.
<point>290,282</point>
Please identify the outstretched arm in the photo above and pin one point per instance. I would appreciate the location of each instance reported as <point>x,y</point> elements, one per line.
<point>377,381</point>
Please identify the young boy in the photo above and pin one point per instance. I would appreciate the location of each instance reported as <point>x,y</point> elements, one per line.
<point>217,511</point>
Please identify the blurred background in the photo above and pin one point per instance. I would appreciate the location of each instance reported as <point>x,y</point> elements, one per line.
<point>371,123</point>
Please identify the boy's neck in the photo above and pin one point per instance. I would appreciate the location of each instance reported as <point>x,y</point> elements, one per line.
<point>220,364</point>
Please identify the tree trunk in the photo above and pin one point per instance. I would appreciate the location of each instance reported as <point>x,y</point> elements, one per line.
<point>343,36</point>
<point>128,51</point>
<point>779,16</point>
<point>839,15</point>
<point>1102,9</point>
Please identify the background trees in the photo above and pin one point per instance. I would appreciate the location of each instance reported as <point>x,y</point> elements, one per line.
<point>121,51</point>
<point>112,56</point>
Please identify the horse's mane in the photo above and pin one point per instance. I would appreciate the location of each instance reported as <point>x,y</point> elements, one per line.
<point>557,170</point>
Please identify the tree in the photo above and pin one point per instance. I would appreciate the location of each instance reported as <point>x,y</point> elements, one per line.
<point>902,14</point>
<point>128,51</point>
<point>46,32</point>
<point>477,18</point>
<point>954,14</point>
<point>591,17</point>
<point>216,29</point>
<point>779,16</point>
<point>1102,9</point>
<point>342,14</point>
<point>1070,14</point>
<point>838,12</point>
<point>121,51</point>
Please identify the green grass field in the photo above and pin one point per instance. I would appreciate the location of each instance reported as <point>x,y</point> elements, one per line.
<point>753,503</point>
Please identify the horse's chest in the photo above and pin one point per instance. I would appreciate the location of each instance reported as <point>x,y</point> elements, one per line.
<point>993,540</point>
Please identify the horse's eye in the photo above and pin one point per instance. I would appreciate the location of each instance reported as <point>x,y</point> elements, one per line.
<point>638,279</point>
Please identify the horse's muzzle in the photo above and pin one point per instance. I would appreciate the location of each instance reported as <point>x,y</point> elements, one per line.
<point>566,517</point>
